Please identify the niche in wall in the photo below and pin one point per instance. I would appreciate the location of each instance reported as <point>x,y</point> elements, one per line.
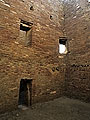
<point>25,35</point>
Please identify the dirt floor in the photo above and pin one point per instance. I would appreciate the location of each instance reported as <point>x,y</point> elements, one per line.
<point>58,109</point>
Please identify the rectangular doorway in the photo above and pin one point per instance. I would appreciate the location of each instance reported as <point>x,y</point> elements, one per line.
<point>25,92</point>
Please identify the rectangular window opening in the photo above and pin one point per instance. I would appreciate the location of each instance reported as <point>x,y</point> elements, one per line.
<point>25,36</point>
<point>62,45</point>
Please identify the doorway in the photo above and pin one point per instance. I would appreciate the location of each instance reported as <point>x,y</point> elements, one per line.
<point>25,92</point>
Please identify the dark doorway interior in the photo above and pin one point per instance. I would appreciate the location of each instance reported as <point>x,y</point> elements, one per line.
<point>25,92</point>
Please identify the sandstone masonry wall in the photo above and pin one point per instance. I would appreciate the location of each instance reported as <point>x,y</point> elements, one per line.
<point>77,28</point>
<point>38,61</point>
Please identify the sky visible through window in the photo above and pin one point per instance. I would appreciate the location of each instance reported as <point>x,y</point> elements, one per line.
<point>62,48</point>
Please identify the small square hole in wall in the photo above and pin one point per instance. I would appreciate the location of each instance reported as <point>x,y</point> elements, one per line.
<point>31,8</point>
<point>51,17</point>
<point>88,0</point>
<point>62,45</point>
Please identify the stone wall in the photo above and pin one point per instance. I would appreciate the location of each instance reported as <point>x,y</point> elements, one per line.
<point>34,54</point>
<point>77,28</point>
<point>40,59</point>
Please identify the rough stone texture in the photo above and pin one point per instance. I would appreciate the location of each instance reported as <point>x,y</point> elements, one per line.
<point>53,74</point>
<point>77,28</point>
<point>38,61</point>
<point>58,109</point>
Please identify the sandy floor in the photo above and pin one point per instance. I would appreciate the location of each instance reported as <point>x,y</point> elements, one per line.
<point>58,109</point>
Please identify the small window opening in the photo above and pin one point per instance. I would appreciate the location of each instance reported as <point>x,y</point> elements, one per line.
<point>62,45</point>
<point>25,36</point>
<point>25,93</point>
<point>51,17</point>
<point>31,8</point>
<point>88,0</point>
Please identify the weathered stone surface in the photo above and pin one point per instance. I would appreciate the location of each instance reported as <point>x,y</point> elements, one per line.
<point>53,74</point>
<point>77,28</point>
<point>36,61</point>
